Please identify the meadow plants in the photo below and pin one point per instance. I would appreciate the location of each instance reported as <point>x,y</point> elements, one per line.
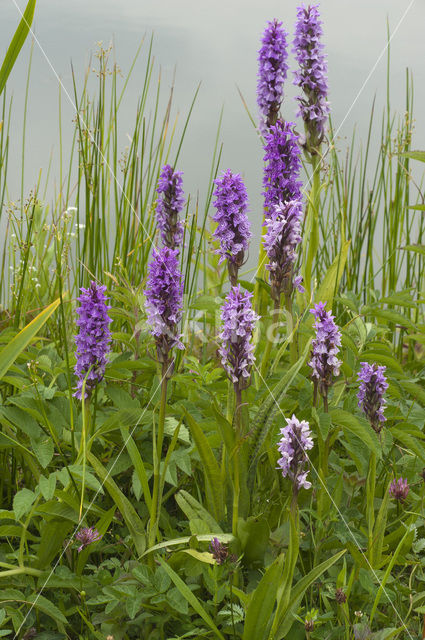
<point>219,457</point>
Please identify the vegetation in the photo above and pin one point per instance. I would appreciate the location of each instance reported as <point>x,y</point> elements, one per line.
<point>153,504</point>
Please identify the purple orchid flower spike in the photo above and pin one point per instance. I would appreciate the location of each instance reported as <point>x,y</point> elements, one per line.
<point>324,362</point>
<point>169,205</point>
<point>164,303</point>
<point>311,76</point>
<point>281,242</point>
<point>236,349</point>
<point>233,230</point>
<point>93,339</point>
<point>272,72</point>
<point>373,385</point>
<point>281,173</point>
<point>295,441</point>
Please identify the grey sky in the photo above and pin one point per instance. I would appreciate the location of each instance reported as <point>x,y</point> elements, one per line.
<point>216,43</point>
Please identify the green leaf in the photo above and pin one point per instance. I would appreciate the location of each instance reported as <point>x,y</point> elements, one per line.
<point>388,315</point>
<point>11,351</point>
<point>44,450</point>
<point>381,358</point>
<point>387,573</point>
<point>414,389</point>
<point>379,531</point>
<point>191,598</point>
<point>359,426</point>
<point>47,486</point>
<point>254,534</point>
<point>139,466</point>
<point>264,417</point>
<point>210,467</point>
<point>409,442</point>
<point>297,594</point>
<point>330,283</point>
<point>194,510</point>
<point>262,602</point>
<point>15,46</point>
<point>128,512</point>
<point>42,603</point>
<point>414,155</point>
<point>206,537</point>
<point>22,502</point>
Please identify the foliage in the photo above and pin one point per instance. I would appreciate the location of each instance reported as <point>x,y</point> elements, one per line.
<point>160,470</point>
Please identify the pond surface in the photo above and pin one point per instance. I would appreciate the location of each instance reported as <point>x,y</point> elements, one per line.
<point>215,43</point>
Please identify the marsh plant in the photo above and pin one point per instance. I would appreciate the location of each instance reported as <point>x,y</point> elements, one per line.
<point>193,448</point>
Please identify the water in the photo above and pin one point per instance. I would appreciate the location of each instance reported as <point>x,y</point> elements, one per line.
<point>215,43</point>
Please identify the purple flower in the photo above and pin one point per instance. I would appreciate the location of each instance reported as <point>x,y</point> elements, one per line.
<point>325,348</point>
<point>219,551</point>
<point>164,300</point>
<point>311,77</point>
<point>295,441</point>
<point>93,339</point>
<point>281,172</point>
<point>233,230</point>
<point>272,70</point>
<point>87,536</point>
<point>236,351</point>
<point>373,385</point>
<point>399,489</point>
<point>169,205</point>
<point>281,242</point>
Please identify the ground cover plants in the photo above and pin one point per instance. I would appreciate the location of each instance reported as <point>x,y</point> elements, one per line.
<point>192,447</point>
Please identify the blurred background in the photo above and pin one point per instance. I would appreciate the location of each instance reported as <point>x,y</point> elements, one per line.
<point>214,44</point>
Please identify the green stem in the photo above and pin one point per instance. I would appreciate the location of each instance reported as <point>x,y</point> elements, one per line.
<point>83,444</point>
<point>265,362</point>
<point>290,328</point>
<point>236,476</point>
<point>312,226</point>
<point>370,499</point>
<point>157,454</point>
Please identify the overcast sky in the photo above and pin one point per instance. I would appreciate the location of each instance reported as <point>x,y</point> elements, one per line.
<point>215,43</point>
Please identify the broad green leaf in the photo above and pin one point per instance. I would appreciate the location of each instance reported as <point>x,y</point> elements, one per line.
<point>381,358</point>
<point>47,486</point>
<point>222,537</point>
<point>359,426</point>
<point>330,283</point>
<point>22,502</point>
<point>387,573</point>
<point>262,603</point>
<point>388,315</point>
<point>210,467</point>
<point>265,415</point>
<point>409,442</point>
<point>128,512</point>
<point>16,44</point>
<point>416,248</point>
<point>191,598</point>
<point>379,531</point>
<point>14,348</point>
<point>202,556</point>
<point>253,534</point>
<point>414,389</point>
<point>138,464</point>
<point>194,510</point>
<point>44,450</point>
<point>297,594</point>
<point>414,155</point>
<point>53,535</point>
<point>42,603</point>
